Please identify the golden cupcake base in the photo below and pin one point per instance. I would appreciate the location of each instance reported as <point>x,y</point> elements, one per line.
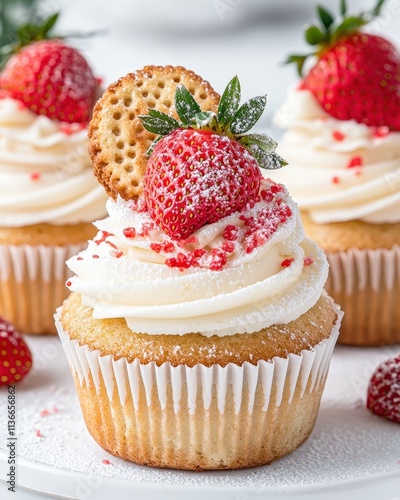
<point>33,272</point>
<point>364,278</point>
<point>205,415</point>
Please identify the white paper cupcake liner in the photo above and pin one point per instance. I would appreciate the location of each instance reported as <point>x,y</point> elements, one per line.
<point>32,284</point>
<point>366,283</point>
<point>200,417</point>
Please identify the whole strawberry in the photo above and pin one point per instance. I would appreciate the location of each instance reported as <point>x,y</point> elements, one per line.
<point>357,75</point>
<point>50,78</point>
<point>205,168</point>
<point>383,396</point>
<point>15,357</point>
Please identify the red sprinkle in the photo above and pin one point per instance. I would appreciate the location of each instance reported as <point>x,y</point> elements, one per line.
<point>129,232</point>
<point>287,262</point>
<point>355,161</point>
<point>95,256</point>
<point>104,236</point>
<point>168,247</point>
<point>230,233</point>
<point>277,188</point>
<point>165,246</point>
<point>381,131</point>
<point>156,247</point>
<point>38,434</point>
<point>46,412</point>
<point>146,228</point>
<point>338,136</point>
<point>335,180</point>
<point>116,253</point>
<point>228,247</point>
<point>218,259</point>
<point>105,461</point>
<point>79,258</point>
<point>35,176</point>
<point>266,195</point>
<point>68,283</point>
<point>181,261</point>
<point>196,256</point>
<point>308,261</point>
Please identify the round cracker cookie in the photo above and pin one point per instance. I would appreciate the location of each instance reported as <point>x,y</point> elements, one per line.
<point>117,139</point>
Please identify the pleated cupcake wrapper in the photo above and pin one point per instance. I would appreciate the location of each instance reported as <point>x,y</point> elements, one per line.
<point>32,284</point>
<point>309,369</point>
<point>366,283</point>
<point>201,417</point>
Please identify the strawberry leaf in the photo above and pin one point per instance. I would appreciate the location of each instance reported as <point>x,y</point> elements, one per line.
<point>376,11</point>
<point>27,33</point>
<point>248,115</point>
<point>326,17</point>
<point>349,25</point>
<point>204,120</point>
<point>269,161</point>
<point>315,36</point>
<point>185,105</point>
<point>48,24</point>
<point>159,123</point>
<point>343,8</point>
<point>264,142</point>
<point>299,60</point>
<point>163,116</point>
<point>229,103</point>
<point>153,145</point>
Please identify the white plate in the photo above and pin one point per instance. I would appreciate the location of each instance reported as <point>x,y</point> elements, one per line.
<point>350,450</point>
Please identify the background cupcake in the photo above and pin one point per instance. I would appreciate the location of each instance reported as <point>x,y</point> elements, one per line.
<point>343,148</point>
<point>48,195</point>
<point>197,333</point>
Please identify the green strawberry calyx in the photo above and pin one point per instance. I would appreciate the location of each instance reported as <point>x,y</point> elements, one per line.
<point>231,120</point>
<point>331,31</point>
<point>29,33</point>
<point>26,34</point>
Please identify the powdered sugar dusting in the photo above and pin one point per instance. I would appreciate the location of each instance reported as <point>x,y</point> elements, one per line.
<point>348,441</point>
<point>226,278</point>
<point>194,177</point>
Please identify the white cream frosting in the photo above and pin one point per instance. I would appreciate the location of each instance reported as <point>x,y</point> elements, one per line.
<point>318,175</point>
<point>45,174</point>
<point>121,276</point>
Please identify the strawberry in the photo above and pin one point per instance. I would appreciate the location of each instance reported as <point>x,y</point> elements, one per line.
<point>15,357</point>
<point>50,78</point>
<point>383,397</point>
<point>185,186</point>
<point>357,75</point>
<point>205,168</point>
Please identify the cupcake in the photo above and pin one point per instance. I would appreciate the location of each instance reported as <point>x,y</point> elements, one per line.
<point>48,194</point>
<point>343,147</point>
<point>197,332</point>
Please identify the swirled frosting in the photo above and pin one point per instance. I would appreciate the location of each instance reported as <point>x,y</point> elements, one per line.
<point>245,272</point>
<point>338,170</point>
<point>45,171</point>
